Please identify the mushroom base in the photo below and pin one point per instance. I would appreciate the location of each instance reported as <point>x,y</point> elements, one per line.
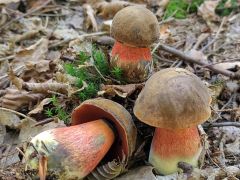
<point>169,147</point>
<point>134,61</point>
<point>71,152</point>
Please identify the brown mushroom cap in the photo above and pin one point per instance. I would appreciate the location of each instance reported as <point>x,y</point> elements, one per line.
<point>135,26</point>
<point>173,98</point>
<point>93,109</point>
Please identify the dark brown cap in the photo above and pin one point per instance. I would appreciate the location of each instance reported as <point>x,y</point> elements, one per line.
<point>135,26</point>
<point>173,98</point>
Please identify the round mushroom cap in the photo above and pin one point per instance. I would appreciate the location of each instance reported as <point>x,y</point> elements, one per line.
<point>173,98</point>
<point>135,26</point>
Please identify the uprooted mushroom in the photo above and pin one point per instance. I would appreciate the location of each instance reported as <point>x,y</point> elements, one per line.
<point>101,130</point>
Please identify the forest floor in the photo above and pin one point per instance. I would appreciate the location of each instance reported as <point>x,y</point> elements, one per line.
<point>47,48</point>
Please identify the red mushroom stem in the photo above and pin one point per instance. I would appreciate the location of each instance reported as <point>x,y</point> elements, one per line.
<point>170,146</point>
<point>77,149</point>
<point>130,54</point>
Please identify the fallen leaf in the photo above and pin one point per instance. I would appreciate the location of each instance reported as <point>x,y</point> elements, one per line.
<point>90,21</point>
<point>120,90</point>
<point>28,130</point>
<point>227,65</point>
<point>233,148</point>
<point>36,52</point>
<point>8,1</point>
<point>9,154</point>
<point>46,87</point>
<point>40,106</point>
<point>65,33</point>
<point>198,55</point>
<point>231,133</point>
<point>107,10</point>
<point>15,99</point>
<point>9,119</point>
<point>207,11</point>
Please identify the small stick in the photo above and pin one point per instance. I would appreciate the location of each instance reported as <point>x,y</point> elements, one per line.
<point>45,121</point>
<point>235,124</point>
<point>187,58</point>
<point>228,110</point>
<point>217,34</point>
<point>7,58</point>
<point>18,113</point>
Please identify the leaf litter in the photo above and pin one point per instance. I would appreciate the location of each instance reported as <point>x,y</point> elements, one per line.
<point>54,55</point>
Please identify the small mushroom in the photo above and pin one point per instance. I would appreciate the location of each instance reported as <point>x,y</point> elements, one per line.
<point>101,129</point>
<point>174,101</point>
<point>134,28</point>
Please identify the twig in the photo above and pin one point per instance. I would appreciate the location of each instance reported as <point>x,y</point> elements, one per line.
<point>235,124</point>
<point>18,113</point>
<point>79,37</point>
<point>187,58</point>
<point>217,34</point>
<point>45,121</point>
<point>24,15</point>
<point>228,110</point>
<point>7,58</point>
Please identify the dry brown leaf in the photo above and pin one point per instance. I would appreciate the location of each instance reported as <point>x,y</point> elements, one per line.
<point>227,65</point>
<point>46,87</point>
<point>32,53</point>
<point>9,119</point>
<point>40,106</point>
<point>108,9</point>
<point>207,11</point>
<point>28,130</point>
<point>33,4</point>
<point>90,21</point>
<point>198,55</point>
<point>8,1</point>
<point>15,99</point>
<point>120,90</point>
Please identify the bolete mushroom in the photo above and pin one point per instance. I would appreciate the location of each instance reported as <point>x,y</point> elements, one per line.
<point>174,101</point>
<point>134,28</point>
<point>100,129</point>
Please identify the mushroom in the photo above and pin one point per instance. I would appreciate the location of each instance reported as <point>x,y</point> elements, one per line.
<point>134,28</point>
<point>101,129</point>
<point>174,101</point>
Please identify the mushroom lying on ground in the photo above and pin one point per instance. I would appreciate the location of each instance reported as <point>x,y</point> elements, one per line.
<point>134,28</point>
<point>100,129</point>
<point>174,101</point>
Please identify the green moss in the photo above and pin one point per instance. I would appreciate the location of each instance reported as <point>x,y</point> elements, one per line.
<point>117,73</point>
<point>180,8</point>
<point>57,110</point>
<point>100,61</point>
<point>222,10</point>
<point>89,92</point>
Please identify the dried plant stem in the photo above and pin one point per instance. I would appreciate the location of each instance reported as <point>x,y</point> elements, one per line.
<point>18,113</point>
<point>221,124</point>
<point>187,58</point>
<point>45,121</point>
<point>217,34</point>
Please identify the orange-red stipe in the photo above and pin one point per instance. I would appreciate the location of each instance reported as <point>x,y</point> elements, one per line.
<point>169,147</point>
<point>75,150</point>
<point>169,143</point>
<point>130,54</point>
